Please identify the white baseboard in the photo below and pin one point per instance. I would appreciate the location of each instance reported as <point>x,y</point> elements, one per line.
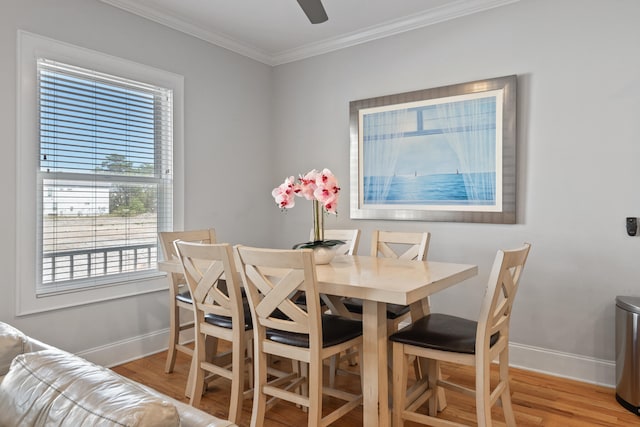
<point>133,348</point>
<point>565,365</point>
<point>550,362</point>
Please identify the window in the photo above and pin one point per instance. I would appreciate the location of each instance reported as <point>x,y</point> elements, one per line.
<point>106,166</point>
<point>97,160</point>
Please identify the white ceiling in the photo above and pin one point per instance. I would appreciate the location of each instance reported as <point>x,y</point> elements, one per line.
<point>277,31</point>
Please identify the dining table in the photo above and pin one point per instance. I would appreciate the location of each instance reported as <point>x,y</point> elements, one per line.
<point>377,282</point>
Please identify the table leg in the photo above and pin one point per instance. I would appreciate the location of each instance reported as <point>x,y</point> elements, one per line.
<point>375,382</point>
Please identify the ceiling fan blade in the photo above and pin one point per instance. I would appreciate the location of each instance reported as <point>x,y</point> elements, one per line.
<point>314,10</point>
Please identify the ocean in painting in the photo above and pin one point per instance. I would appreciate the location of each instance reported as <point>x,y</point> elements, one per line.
<point>437,189</point>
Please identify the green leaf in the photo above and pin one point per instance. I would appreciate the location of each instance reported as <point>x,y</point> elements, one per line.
<point>318,244</point>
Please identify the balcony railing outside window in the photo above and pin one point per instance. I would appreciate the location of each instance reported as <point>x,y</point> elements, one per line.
<point>86,263</point>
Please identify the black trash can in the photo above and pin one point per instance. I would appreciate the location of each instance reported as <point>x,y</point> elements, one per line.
<point>628,352</point>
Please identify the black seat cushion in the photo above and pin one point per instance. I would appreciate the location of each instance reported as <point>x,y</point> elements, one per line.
<point>185,297</point>
<point>225,322</point>
<point>354,305</point>
<point>335,330</point>
<point>442,332</point>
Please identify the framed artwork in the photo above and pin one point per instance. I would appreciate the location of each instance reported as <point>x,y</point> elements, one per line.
<point>440,154</point>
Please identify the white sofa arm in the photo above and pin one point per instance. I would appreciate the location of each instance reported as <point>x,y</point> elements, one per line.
<point>42,365</point>
<point>12,343</point>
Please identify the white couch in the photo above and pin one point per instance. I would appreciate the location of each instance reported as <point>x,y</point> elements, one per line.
<point>41,385</point>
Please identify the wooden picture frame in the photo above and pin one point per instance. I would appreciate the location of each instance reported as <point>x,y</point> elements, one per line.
<point>440,154</point>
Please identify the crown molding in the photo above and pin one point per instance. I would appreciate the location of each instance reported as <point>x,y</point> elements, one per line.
<point>178,24</point>
<point>443,13</point>
<point>447,12</point>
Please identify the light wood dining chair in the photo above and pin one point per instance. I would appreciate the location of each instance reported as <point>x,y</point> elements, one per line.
<point>301,333</point>
<point>394,244</point>
<point>179,297</point>
<point>441,337</point>
<point>214,283</point>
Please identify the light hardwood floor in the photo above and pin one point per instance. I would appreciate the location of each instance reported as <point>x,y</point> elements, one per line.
<point>538,400</point>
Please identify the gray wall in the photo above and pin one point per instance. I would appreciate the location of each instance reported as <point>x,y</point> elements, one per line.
<point>227,115</point>
<point>247,126</point>
<point>578,68</point>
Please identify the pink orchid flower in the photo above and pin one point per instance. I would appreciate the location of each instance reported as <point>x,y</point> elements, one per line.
<point>331,204</point>
<point>284,193</point>
<point>327,197</point>
<point>308,184</point>
<point>327,180</point>
<point>331,208</point>
<point>324,176</point>
<point>314,185</point>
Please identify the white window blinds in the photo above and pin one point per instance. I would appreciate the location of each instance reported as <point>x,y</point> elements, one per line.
<point>105,178</point>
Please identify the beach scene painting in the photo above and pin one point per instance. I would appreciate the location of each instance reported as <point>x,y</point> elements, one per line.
<point>439,154</point>
<point>434,154</point>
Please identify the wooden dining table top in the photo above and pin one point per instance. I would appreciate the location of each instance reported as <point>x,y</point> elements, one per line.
<point>395,281</point>
<point>389,280</point>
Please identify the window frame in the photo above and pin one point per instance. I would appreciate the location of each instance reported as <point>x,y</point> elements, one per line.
<point>31,47</point>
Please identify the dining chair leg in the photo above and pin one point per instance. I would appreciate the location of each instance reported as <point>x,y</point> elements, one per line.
<point>210,345</point>
<point>433,371</point>
<point>314,387</point>
<point>197,374</point>
<point>304,372</point>
<point>505,399</point>
<point>260,380</point>
<point>296,369</point>
<point>400,374</point>
<point>361,368</point>
<point>442,400</point>
<point>237,381</point>
<point>249,353</point>
<point>334,361</point>
<point>483,394</point>
<point>417,368</point>
<point>301,371</point>
<point>174,336</point>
